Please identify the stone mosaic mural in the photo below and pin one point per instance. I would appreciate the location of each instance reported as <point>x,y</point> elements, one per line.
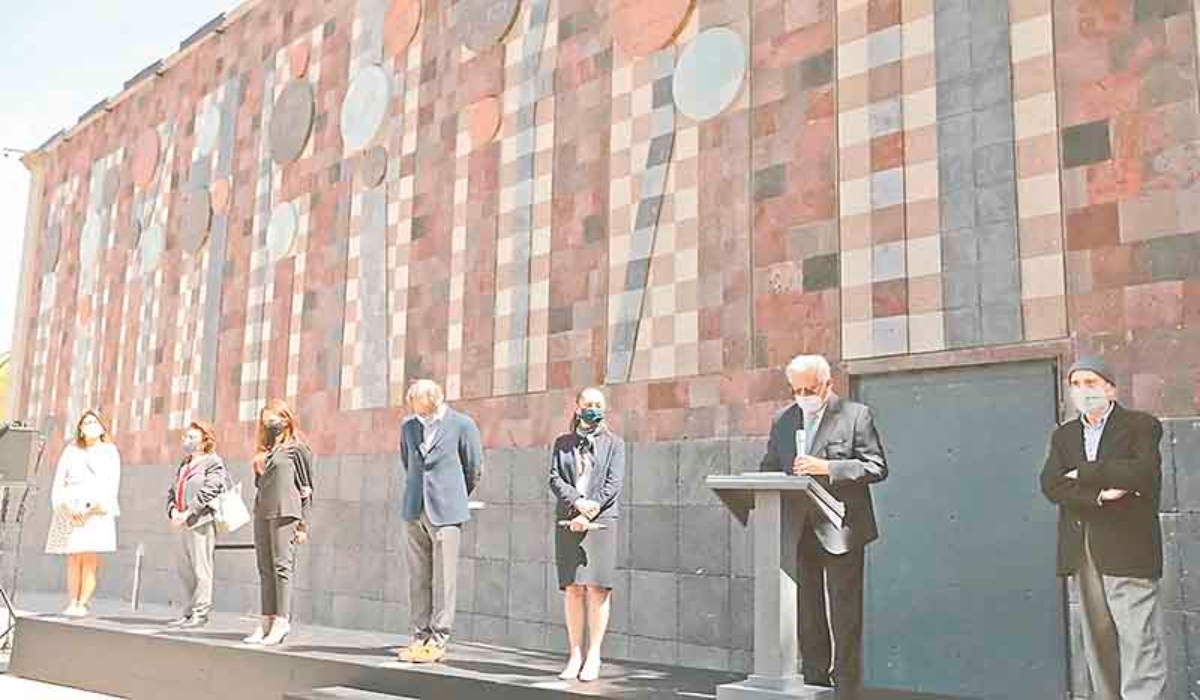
<point>323,201</point>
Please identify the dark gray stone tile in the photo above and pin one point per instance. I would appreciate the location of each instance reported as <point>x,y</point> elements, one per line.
<point>492,535</point>
<point>741,547</point>
<point>653,472</point>
<point>708,620</point>
<point>395,579</point>
<point>960,288</point>
<point>994,124</point>
<point>952,20</point>
<point>953,57</point>
<point>706,657</point>
<point>1000,282</point>
<point>1085,144</point>
<point>654,538</point>
<point>770,182</point>
<point>655,600</point>
<point>998,242</point>
<point>530,476</point>
<point>741,608</point>
<point>490,629</point>
<point>532,533</point>
<point>963,327</point>
<point>527,592</point>
<point>1171,593</point>
<point>1166,447</point>
<point>992,86</point>
<point>1187,466</point>
<point>958,209</point>
<point>699,459</point>
<point>994,164</point>
<point>996,203</point>
<point>1192,623</point>
<point>704,540</point>
<point>350,478</point>
<point>822,272</point>
<point>1002,323</point>
<point>956,170</point>
<point>491,587</point>
<point>990,45</point>
<point>373,521</point>
<point>960,249</point>
<point>955,97</point>
<point>1176,648</point>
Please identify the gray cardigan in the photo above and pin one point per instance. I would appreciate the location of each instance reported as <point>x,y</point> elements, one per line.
<point>205,484</point>
<point>439,482</point>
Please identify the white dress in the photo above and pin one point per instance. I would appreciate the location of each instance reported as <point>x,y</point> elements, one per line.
<point>84,478</point>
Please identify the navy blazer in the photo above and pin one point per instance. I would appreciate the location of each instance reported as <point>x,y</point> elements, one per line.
<point>847,437</point>
<point>440,482</point>
<point>605,483</point>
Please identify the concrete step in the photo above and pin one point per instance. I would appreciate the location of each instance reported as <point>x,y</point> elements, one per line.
<point>341,692</point>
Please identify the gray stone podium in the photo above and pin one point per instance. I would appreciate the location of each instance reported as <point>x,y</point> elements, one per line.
<point>779,502</point>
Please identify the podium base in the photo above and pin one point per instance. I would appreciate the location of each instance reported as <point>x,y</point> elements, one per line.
<point>763,688</point>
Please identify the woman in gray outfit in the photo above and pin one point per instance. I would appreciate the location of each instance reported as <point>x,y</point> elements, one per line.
<point>283,477</point>
<point>199,479</point>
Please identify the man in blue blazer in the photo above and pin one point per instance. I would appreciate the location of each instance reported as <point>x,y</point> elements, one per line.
<point>442,456</point>
<point>834,442</point>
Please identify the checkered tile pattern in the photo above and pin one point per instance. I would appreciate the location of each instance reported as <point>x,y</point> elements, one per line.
<point>654,295</point>
<point>401,192</point>
<point>152,207</point>
<point>1039,187</point>
<point>90,293</point>
<point>268,192</point>
<point>40,382</point>
<point>458,258</point>
<point>303,205</point>
<point>526,191</point>
<point>922,239</point>
<point>871,178</point>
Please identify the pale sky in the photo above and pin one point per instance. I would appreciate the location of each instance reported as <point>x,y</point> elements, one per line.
<point>57,59</point>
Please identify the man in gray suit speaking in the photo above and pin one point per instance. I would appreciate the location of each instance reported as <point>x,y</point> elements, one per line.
<point>835,442</point>
<point>442,455</point>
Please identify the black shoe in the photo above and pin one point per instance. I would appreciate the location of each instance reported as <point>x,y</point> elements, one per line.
<point>194,622</point>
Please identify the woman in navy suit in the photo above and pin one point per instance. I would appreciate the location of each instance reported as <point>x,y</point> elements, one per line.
<point>586,474</point>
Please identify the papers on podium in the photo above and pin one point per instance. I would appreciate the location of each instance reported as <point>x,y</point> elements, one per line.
<point>833,509</point>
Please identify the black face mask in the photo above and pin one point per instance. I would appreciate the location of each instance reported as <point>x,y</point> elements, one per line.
<point>272,432</point>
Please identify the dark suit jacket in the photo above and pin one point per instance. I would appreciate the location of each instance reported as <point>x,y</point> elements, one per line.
<point>288,469</point>
<point>440,482</point>
<point>848,439</point>
<point>604,484</point>
<point>1125,535</point>
<point>205,484</point>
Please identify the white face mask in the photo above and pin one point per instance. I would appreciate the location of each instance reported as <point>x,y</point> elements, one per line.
<point>92,431</point>
<point>1088,400</point>
<point>810,404</point>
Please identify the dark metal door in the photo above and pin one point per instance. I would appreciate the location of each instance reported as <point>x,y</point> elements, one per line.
<point>961,596</point>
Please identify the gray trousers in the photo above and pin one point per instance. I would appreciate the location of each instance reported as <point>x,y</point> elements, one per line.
<point>196,548</point>
<point>275,547</point>
<point>432,554</point>
<point>1122,634</point>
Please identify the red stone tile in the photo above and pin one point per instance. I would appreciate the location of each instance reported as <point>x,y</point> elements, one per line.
<point>1093,227</point>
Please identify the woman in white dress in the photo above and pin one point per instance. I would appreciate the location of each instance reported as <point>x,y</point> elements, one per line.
<point>84,500</point>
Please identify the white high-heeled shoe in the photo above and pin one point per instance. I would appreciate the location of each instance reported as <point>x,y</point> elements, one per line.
<point>591,670</point>
<point>279,632</point>
<point>257,637</point>
<point>571,672</point>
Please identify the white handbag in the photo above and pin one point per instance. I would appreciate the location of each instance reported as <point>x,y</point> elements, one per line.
<point>229,510</point>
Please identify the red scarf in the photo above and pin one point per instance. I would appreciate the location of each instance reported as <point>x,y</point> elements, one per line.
<point>184,475</point>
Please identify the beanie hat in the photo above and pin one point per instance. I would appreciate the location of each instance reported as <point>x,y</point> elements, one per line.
<point>1092,363</point>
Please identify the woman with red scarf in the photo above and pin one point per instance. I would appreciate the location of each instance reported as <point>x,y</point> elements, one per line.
<point>200,478</point>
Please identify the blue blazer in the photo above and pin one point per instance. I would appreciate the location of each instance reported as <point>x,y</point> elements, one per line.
<point>440,482</point>
<point>605,484</point>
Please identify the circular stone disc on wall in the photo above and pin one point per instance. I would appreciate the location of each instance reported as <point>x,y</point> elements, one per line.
<point>195,218</point>
<point>292,121</point>
<point>710,73</point>
<point>642,27</point>
<point>219,194</point>
<point>151,244</point>
<point>51,243</point>
<point>145,158</point>
<point>373,166</point>
<point>298,57</point>
<point>364,109</point>
<point>484,23</point>
<point>208,128</point>
<point>89,243</point>
<point>483,119</point>
<point>281,231</point>
<point>400,25</point>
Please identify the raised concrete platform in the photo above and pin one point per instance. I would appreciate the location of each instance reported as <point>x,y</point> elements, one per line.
<point>132,655</point>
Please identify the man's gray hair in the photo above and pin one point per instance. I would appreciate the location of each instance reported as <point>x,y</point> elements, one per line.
<point>425,389</point>
<point>804,363</point>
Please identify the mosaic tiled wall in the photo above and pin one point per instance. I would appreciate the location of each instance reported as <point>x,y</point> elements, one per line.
<point>322,201</point>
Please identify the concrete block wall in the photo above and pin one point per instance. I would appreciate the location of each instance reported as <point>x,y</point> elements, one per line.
<point>686,582</point>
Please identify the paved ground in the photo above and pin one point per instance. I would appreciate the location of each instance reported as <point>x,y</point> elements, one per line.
<point>13,688</point>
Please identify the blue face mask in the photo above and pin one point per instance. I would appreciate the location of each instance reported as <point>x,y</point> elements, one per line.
<point>591,416</point>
